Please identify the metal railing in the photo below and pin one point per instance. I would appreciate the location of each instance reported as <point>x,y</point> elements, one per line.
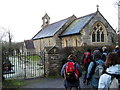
<point>25,65</point>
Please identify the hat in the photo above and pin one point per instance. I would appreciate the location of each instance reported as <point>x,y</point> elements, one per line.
<point>117,46</point>
<point>72,57</point>
<point>104,47</point>
<point>97,54</point>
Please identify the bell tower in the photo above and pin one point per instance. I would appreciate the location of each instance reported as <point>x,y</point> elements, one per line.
<point>46,20</point>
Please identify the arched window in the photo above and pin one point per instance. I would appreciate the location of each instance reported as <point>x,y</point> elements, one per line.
<point>98,36</point>
<point>98,32</point>
<point>102,37</point>
<point>76,42</point>
<point>93,37</point>
<point>66,42</point>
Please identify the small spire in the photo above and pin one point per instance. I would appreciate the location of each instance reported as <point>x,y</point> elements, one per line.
<point>97,7</point>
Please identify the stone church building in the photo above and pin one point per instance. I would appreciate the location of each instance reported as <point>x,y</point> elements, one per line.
<point>92,29</point>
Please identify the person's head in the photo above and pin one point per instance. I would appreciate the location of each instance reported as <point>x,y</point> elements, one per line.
<point>72,57</point>
<point>112,59</point>
<point>89,50</point>
<point>97,55</point>
<point>104,49</point>
<point>117,47</point>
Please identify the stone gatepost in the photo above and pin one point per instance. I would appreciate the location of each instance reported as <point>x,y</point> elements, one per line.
<point>53,62</point>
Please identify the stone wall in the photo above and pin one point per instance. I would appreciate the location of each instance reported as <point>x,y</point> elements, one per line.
<point>53,63</point>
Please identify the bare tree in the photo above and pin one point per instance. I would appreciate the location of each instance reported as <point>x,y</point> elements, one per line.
<point>2,34</point>
<point>6,38</point>
<point>10,36</point>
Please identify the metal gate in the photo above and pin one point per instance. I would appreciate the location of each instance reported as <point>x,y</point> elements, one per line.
<point>25,65</point>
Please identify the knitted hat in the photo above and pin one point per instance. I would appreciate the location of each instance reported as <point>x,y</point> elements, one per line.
<point>97,54</point>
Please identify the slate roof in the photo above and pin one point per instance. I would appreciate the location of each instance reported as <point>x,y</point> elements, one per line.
<point>77,25</point>
<point>50,30</point>
<point>74,28</point>
<point>29,44</point>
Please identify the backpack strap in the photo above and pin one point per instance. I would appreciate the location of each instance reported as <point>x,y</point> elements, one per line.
<point>93,69</point>
<point>113,76</point>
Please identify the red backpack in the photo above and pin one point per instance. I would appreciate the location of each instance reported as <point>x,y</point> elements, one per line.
<point>71,72</point>
<point>87,59</point>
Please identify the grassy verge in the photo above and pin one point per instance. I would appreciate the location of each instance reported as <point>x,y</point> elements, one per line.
<point>12,83</point>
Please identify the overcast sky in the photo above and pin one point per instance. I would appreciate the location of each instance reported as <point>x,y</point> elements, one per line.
<point>24,17</point>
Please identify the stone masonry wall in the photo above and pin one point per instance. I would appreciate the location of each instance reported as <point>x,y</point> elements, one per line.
<point>52,61</point>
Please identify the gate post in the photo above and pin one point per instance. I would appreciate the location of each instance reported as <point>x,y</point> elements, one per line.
<point>53,61</point>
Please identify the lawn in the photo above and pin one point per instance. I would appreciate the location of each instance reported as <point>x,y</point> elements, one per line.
<point>33,57</point>
<point>12,83</point>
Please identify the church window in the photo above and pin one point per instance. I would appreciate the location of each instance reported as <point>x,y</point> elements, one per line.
<point>49,42</point>
<point>75,44</point>
<point>102,37</point>
<point>98,36</point>
<point>93,37</point>
<point>98,33</point>
<point>66,43</point>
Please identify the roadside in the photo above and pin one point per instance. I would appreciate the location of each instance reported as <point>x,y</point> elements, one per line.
<point>45,83</point>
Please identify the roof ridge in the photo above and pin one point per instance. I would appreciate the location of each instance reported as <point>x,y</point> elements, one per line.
<point>86,15</point>
<point>60,20</point>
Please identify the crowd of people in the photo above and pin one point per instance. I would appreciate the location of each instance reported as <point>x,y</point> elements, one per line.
<point>100,67</point>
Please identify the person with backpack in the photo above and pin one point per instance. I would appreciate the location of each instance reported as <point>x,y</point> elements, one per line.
<point>104,53</point>
<point>86,59</point>
<point>95,69</point>
<point>71,72</point>
<point>111,78</point>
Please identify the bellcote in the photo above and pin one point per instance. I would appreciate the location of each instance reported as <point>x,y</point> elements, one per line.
<point>46,20</point>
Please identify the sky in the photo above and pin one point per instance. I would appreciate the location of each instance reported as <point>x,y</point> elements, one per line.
<point>24,17</point>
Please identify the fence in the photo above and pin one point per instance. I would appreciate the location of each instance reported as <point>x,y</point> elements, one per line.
<point>27,65</point>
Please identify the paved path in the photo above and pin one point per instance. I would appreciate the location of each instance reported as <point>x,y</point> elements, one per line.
<point>46,83</point>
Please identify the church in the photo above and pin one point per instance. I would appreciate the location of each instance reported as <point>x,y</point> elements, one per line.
<point>92,30</point>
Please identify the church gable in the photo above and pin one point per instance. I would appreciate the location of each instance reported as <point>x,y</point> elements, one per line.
<point>100,18</point>
<point>92,29</point>
<point>99,31</point>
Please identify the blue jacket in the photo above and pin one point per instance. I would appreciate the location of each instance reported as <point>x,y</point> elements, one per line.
<point>94,81</point>
<point>68,84</point>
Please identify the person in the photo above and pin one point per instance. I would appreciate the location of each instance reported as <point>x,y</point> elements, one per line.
<point>116,49</point>
<point>104,53</point>
<point>91,69</point>
<point>112,65</point>
<point>118,52</point>
<point>86,59</point>
<point>75,84</point>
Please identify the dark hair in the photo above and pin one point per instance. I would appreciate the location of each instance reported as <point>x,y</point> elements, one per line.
<point>89,50</point>
<point>112,59</point>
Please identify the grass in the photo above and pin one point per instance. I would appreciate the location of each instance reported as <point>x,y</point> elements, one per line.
<point>33,57</point>
<point>12,83</point>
